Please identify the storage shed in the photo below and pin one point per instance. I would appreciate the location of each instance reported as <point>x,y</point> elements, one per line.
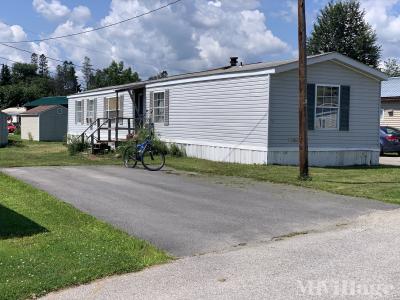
<point>45,123</point>
<point>3,130</point>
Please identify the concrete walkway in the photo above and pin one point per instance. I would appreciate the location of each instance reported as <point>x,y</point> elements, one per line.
<point>356,261</point>
<point>188,215</point>
<point>390,160</point>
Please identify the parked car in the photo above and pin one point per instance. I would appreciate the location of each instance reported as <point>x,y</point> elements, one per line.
<point>11,128</point>
<point>389,139</point>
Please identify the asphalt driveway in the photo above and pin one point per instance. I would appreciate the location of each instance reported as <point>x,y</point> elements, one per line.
<point>188,215</point>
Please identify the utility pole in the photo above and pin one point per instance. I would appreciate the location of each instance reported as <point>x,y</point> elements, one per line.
<point>303,139</point>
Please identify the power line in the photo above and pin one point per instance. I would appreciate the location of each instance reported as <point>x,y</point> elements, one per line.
<point>94,29</point>
<point>48,57</point>
<point>67,42</point>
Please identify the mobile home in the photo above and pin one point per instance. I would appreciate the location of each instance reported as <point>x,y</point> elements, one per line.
<point>247,113</point>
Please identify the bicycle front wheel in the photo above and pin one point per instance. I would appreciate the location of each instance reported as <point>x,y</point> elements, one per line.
<point>130,155</point>
<point>153,159</point>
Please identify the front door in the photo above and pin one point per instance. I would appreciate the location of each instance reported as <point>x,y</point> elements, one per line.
<point>139,108</point>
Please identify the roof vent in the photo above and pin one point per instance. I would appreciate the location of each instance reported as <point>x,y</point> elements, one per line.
<point>234,61</point>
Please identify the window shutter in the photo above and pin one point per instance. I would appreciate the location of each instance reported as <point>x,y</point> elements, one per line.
<point>105,107</point>
<point>83,112</point>
<point>151,112</point>
<point>166,108</point>
<point>344,124</point>
<point>76,113</point>
<point>95,109</point>
<point>311,106</point>
<point>87,112</point>
<point>121,108</point>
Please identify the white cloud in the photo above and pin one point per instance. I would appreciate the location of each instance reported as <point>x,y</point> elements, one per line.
<point>289,14</point>
<point>385,19</point>
<point>190,36</point>
<point>11,33</point>
<point>51,10</point>
<point>80,14</point>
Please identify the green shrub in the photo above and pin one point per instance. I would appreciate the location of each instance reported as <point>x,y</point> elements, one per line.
<point>176,151</point>
<point>75,145</point>
<point>120,150</point>
<point>160,146</point>
<point>17,131</point>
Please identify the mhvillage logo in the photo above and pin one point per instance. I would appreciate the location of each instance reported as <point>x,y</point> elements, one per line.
<point>343,288</point>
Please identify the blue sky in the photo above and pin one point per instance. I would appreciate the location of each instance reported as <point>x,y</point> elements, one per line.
<point>192,35</point>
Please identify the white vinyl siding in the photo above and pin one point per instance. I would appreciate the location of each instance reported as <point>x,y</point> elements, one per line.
<point>363,118</point>
<point>225,113</point>
<point>75,129</point>
<point>391,113</point>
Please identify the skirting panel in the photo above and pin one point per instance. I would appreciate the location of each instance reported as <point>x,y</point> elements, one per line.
<point>326,158</point>
<point>225,154</point>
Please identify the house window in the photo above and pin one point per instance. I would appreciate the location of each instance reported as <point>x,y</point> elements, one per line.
<point>90,112</point>
<point>114,108</point>
<point>111,108</point>
<point>79,111</point>
<point>390,113</point>
<point>159,107</point>
<point>327,107</point>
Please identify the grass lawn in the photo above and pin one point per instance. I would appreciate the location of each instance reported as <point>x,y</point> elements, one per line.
<point>381,183</point>
<point>24,153</point>
<point>46,244</point>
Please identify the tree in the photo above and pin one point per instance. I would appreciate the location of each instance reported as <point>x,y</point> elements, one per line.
<point>341,27</point>
<point>5,76</point>
<point>162,74</point>
<point>22,72</point>
<point>391,67</point>
<point>66,79</point>
<point>115,74</point>
<point>43,66</point>
<point>87,71</point>
<point>23,84</point>
<point>34,59</point>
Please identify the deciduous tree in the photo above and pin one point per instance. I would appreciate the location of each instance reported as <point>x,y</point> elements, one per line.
<point>341,27</point>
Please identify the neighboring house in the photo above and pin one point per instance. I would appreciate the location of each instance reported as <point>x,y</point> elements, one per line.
<point>44,123</point>
<point>54,100</point>
<point>248,113</point>
<point>14,114</point>
<point>390,102</point>
<point>3,130</point>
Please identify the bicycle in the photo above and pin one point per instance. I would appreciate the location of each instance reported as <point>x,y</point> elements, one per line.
<point>152,159</point>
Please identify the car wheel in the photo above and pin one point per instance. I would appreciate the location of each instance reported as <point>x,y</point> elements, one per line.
<point>381,152</point>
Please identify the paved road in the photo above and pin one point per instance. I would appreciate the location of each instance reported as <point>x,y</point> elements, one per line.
<point>358,261</point>
<point>191,215</point>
